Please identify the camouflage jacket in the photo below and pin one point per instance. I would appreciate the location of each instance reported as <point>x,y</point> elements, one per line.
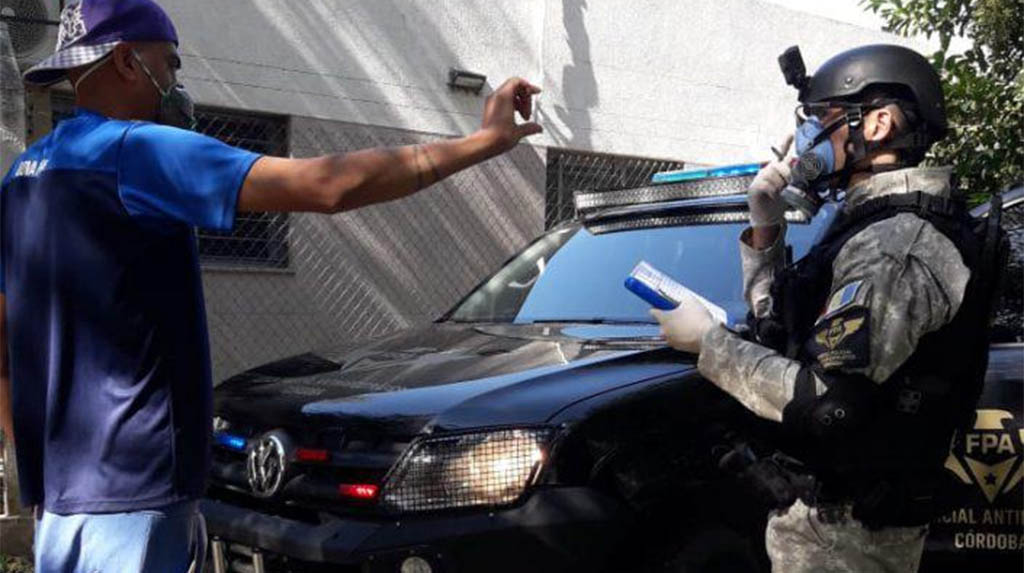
<point>893,282</point>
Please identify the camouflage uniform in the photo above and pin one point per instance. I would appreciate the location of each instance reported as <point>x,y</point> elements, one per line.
<point>894,281</point>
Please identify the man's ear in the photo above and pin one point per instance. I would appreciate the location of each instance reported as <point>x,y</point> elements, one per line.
<point>125,63</point>
<point>878,126</point>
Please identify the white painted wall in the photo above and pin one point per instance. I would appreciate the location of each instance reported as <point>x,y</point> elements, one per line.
<point>692,80</point>
<point>380,62</point>
<point>696,80</point>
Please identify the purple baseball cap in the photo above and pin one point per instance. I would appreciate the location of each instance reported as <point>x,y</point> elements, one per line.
<point>89,30</point>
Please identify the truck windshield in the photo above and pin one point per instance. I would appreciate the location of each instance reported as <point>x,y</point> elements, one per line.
<point>574,275</point>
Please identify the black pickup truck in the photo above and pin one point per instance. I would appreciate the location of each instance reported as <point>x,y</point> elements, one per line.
<point>542,426</point>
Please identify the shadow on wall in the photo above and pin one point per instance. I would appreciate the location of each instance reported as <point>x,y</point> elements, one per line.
<point>365,274</point>
<point>579,86</point>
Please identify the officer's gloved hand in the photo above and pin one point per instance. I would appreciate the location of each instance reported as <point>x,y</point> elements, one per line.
<point>764,196</point>
<point>684,327</point>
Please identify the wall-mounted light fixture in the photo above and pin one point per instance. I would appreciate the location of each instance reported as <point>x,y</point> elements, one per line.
<point>468,81</point>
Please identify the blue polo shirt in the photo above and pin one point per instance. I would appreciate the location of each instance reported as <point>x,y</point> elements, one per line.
<point>110,365</point>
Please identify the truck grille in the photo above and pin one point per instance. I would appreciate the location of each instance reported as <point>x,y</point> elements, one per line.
<point>313,485</point>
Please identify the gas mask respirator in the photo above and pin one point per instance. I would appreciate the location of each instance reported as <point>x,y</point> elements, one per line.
<point>815,166</point>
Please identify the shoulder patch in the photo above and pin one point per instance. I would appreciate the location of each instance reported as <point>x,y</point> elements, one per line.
<point>847,295</point>
<point>843,340</point>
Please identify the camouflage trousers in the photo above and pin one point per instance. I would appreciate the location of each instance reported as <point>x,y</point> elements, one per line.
<point>803,539</point>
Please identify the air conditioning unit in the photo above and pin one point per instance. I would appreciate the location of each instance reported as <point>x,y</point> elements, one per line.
<point>32,25</point>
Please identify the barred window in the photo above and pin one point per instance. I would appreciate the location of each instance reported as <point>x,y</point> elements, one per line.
<point>258,239</point>
<point>571,171</point>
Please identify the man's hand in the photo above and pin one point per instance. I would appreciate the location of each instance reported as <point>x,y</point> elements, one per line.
<point>499,125</point>
<point>684,327</point>
<point>764,196</point>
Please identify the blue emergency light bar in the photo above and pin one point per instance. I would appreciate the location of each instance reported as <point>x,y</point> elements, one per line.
<point>230,441</point>
<point>695,174</point>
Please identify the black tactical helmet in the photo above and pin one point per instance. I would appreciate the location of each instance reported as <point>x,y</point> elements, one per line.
<point>847,74</point>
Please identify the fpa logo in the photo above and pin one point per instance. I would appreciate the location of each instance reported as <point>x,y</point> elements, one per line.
<point>990,455</point>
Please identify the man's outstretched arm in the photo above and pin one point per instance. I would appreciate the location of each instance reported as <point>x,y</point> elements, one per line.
<point>342,182</point>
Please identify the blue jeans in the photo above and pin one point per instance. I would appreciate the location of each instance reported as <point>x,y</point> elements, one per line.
<point>170,539</point>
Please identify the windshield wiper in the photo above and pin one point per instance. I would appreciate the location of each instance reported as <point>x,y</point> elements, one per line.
<point>494,320</point>
<point>589,321</point>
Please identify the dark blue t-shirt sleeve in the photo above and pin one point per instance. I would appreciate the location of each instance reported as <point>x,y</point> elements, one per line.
<point>174,174</point>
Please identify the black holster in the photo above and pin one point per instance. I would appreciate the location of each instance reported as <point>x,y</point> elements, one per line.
<point>775,480</point>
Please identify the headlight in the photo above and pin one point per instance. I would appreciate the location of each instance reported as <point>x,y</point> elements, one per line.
<point>484,468</point>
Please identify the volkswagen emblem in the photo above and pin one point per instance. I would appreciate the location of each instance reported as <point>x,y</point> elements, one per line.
<point>267,465</point>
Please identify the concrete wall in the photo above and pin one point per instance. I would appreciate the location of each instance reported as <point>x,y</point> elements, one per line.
<point>695,81</point>
<point>382,63</point>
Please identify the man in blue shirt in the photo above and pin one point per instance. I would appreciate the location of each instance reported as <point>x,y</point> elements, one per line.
<point>104,361</point>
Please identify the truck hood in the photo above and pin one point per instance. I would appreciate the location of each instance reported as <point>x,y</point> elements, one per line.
<point>448,376</point>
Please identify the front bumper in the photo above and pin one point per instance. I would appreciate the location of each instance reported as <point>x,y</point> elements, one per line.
<point>554,529</point>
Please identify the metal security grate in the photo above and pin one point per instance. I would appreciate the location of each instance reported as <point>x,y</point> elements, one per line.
<point>571,171</point>
<point>258,239</point>
<point>488,469</point>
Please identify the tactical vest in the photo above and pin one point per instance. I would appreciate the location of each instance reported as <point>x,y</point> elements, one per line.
<point>891,466</point>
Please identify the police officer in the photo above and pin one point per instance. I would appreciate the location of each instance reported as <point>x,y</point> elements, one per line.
<point>866,350</point>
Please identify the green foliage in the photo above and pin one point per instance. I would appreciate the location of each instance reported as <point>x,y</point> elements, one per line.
<point>984,86</point>
<point>14,565</point>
